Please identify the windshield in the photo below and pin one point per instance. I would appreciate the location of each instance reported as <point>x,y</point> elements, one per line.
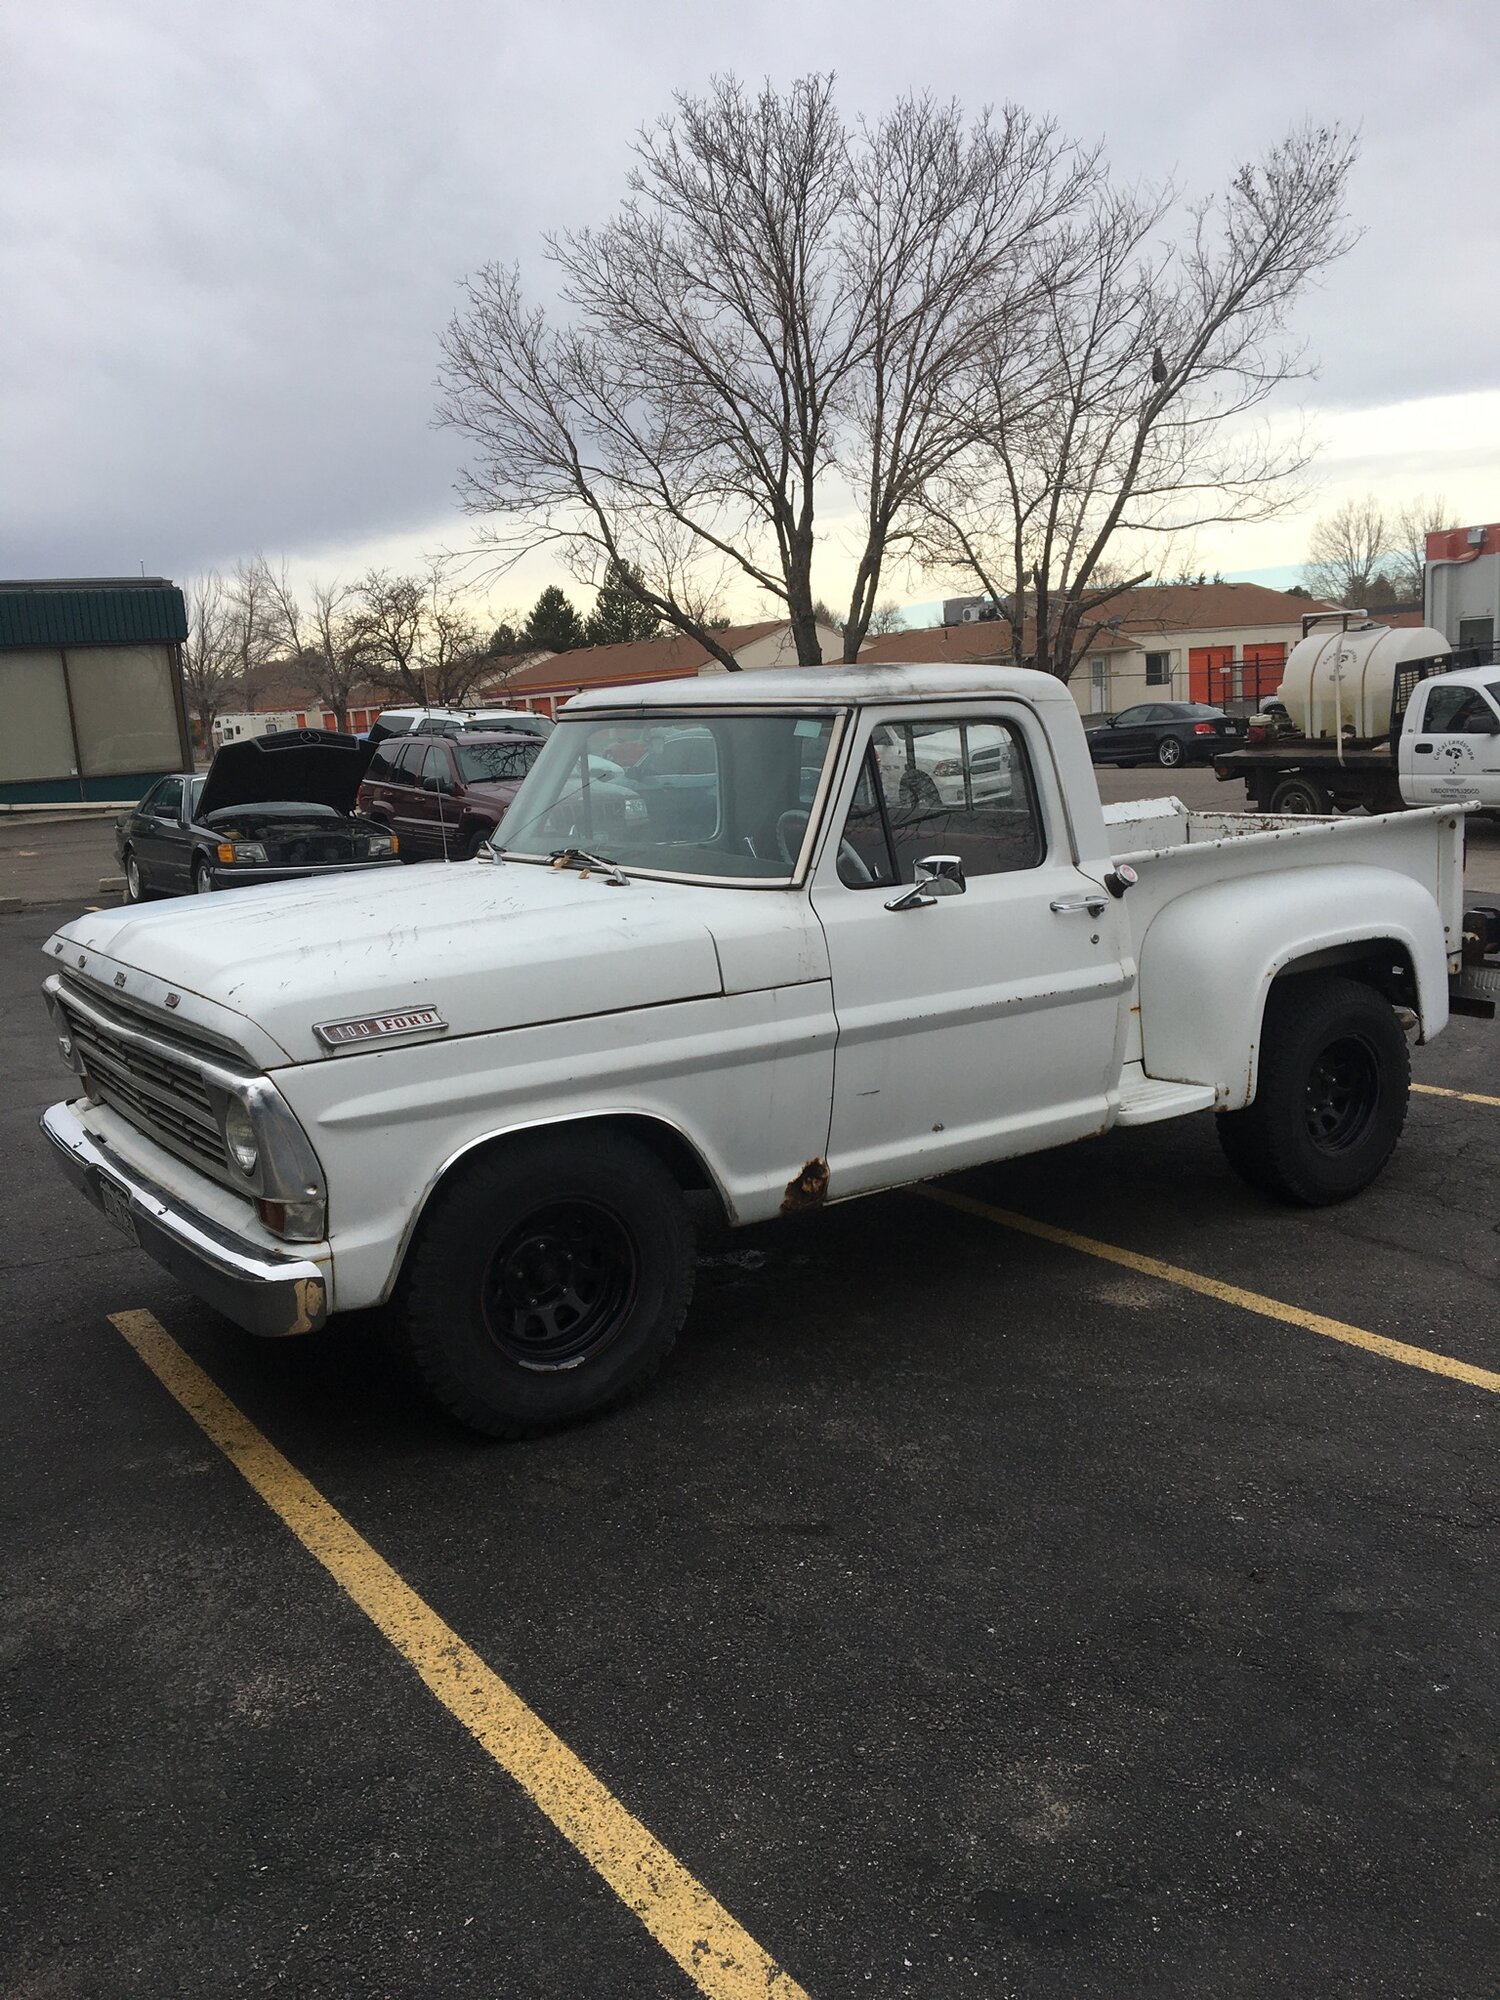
<point>493,763</point>
<point>709,795</point>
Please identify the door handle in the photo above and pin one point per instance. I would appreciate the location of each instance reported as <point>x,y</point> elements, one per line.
<point>1424,749</point>
<point>1092,906</point>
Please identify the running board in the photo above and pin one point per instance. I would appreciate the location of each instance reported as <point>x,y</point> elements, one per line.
<point>1145,1101</point>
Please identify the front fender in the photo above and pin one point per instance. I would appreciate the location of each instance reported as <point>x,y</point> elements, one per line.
<point>1207,961</point>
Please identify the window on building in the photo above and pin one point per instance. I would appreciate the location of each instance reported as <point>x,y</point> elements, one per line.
<point>37,740</point>
<point>124,708</point>
<point>1158,670</point>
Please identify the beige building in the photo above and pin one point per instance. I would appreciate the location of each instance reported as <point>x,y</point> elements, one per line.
<point>546,684</point>
<point>1212,642</point>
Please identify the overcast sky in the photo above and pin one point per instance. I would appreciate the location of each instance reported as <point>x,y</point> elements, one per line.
<point>229,236</point>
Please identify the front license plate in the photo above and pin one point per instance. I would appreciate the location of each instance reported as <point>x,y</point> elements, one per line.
<point>117,1207</point>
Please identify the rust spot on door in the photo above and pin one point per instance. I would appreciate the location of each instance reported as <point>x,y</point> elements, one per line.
<point>808,1190</point>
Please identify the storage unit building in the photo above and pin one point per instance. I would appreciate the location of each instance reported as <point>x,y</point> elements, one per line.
<point>91,704</point>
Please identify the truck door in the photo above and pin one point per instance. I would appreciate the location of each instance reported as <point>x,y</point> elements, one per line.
<point>973,1024</point>
<point>1450,747</point>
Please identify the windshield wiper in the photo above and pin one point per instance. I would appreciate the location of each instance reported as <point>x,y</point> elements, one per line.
<point>614,874</point>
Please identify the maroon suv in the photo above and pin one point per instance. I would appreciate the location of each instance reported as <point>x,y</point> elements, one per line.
<point>444,796</point>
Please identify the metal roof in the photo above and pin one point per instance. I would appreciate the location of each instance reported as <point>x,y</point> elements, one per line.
<point>90,611</point>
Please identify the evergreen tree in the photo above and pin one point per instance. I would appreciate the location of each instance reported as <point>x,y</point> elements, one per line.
<point>619,615</point>
<point>553,626</point>
<point>505,642</point>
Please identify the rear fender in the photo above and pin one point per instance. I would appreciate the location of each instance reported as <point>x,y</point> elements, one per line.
<point>1207,962</point>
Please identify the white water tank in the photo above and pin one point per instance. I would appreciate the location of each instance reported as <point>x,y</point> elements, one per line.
<point>1338,681</point>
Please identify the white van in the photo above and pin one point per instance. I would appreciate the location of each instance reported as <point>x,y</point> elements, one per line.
<point>238,728</point>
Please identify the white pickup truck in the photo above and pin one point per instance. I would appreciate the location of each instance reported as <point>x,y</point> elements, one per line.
<point>482,1095</point>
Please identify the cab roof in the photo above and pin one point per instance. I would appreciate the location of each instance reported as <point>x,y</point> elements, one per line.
<point>824,687</point>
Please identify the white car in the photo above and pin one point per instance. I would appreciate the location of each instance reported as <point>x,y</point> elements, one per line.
<point>490,1096</point>
<point>927,765</point>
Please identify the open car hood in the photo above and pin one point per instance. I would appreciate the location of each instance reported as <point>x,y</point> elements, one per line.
<point>313,766</point>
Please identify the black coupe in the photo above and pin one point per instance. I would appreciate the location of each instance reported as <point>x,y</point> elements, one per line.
<point>1168,733</point>
<point>269,809</point>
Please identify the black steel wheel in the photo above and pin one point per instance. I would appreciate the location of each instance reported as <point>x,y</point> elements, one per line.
<point>1169,753</point>
<point>560,1286</point>
<point>1298,793</point>
<point>548,1278</point>
<point>1331,1095</point>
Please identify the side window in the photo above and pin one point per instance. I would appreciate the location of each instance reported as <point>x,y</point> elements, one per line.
<point>409,763</point>
<point>383,764</point>
<point>437,773</point>
<point>166,800</point>
<point>1457,711</point>
<point>961,788</point>
<point>1128,718</point>
<point>864,857</point>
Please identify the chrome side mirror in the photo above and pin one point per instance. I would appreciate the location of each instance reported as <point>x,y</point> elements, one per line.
<point>937,875</point>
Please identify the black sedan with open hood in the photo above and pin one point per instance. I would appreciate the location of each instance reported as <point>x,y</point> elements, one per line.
<point>271,809</point>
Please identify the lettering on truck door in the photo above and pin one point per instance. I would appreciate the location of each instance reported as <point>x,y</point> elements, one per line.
<point>979,1023</point>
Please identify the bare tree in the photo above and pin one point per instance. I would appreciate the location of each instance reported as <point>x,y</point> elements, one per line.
<point>887,617</point>
<point>210,658</point>
<point>394,609</point>
<point>1345,551</point>
<point>782,303</point>
<point>1114,409</point>
<point>453,656</point>
<point>252,627</point>
<point>1411,524</point>
<point>330,646</point>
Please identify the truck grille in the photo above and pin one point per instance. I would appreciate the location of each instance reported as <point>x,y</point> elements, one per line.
<point>161,1092</point>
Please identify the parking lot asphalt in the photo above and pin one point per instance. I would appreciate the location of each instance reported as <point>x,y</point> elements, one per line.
<point>967,1612</point>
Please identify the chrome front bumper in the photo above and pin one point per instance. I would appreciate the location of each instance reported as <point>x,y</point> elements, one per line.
<point>260,1290</point>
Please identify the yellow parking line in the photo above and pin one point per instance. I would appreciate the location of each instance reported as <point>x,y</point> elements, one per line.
<point>1230,1295</point>
<point>720,1958</point>
<point>1468,1096</point>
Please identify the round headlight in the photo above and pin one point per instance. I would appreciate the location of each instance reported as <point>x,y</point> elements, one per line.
<point>239,1136</point>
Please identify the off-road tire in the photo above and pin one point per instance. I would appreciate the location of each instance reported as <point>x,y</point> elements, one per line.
<point>1293,1142</point>
<point>453,1314</point>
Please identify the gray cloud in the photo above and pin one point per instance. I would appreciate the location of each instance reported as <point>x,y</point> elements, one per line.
<point>228,240</point>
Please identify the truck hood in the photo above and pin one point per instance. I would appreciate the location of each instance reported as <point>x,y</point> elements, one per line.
<point>489,946</point>
<point>312,766</point>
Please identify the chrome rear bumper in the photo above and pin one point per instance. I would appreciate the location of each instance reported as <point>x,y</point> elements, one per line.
<point>260,1290</point>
